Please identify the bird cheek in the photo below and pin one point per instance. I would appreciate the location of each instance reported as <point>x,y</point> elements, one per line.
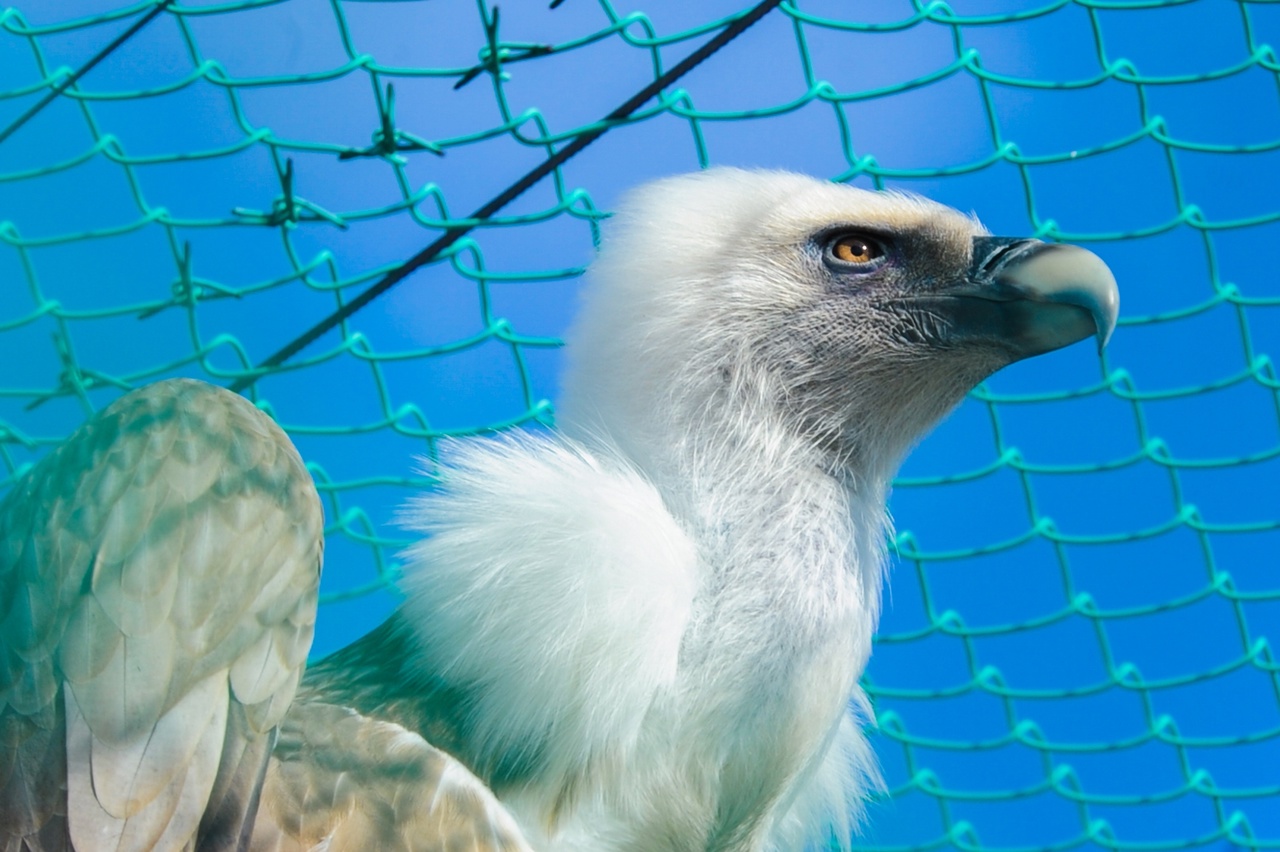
<point>910,330</point>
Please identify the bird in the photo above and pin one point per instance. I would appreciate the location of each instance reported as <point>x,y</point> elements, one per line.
<point>639,631</point>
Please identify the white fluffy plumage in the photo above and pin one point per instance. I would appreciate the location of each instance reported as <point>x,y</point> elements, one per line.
<point>551,577</point>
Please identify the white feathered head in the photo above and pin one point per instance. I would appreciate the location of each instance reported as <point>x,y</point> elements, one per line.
<point>729,299</point>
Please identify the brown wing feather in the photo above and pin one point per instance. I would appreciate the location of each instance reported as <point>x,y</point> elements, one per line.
<point>158,583</point>
<point>354,783</point>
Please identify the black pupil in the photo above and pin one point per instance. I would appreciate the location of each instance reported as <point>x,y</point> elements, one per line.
<point>857,250</point>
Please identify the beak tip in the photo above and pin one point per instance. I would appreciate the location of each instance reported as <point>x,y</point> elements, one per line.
<point>1071,275</point>
<point>1107,309</point>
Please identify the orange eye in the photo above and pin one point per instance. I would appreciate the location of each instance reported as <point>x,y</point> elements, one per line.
<point>853,248</point>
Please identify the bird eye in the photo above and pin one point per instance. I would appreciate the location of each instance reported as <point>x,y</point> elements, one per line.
<point>855,249</point>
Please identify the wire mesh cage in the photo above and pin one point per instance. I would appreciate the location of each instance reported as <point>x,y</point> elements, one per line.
<point>1076,650</point>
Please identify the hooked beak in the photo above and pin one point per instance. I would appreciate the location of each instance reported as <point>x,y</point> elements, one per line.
<point>1034,297</point>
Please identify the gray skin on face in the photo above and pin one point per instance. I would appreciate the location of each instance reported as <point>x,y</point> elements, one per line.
<point>926,316</point>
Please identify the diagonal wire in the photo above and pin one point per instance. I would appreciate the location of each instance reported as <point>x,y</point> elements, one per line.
<point>84,69</point>
<point>451,236</point>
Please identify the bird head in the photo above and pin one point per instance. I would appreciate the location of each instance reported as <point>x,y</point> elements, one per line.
<point>730,302</point>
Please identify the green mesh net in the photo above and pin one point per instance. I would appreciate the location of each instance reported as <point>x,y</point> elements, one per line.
<point>1076,650</point>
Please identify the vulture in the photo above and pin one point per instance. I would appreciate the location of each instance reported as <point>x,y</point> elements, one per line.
<point>642,630</point>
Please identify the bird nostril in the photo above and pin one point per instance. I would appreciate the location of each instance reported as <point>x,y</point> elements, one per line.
<point>986,259</point>
<point>994,260</point>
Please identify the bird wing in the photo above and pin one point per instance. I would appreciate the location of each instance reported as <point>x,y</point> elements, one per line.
<point>345,782</point>
<point>158,584</point>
